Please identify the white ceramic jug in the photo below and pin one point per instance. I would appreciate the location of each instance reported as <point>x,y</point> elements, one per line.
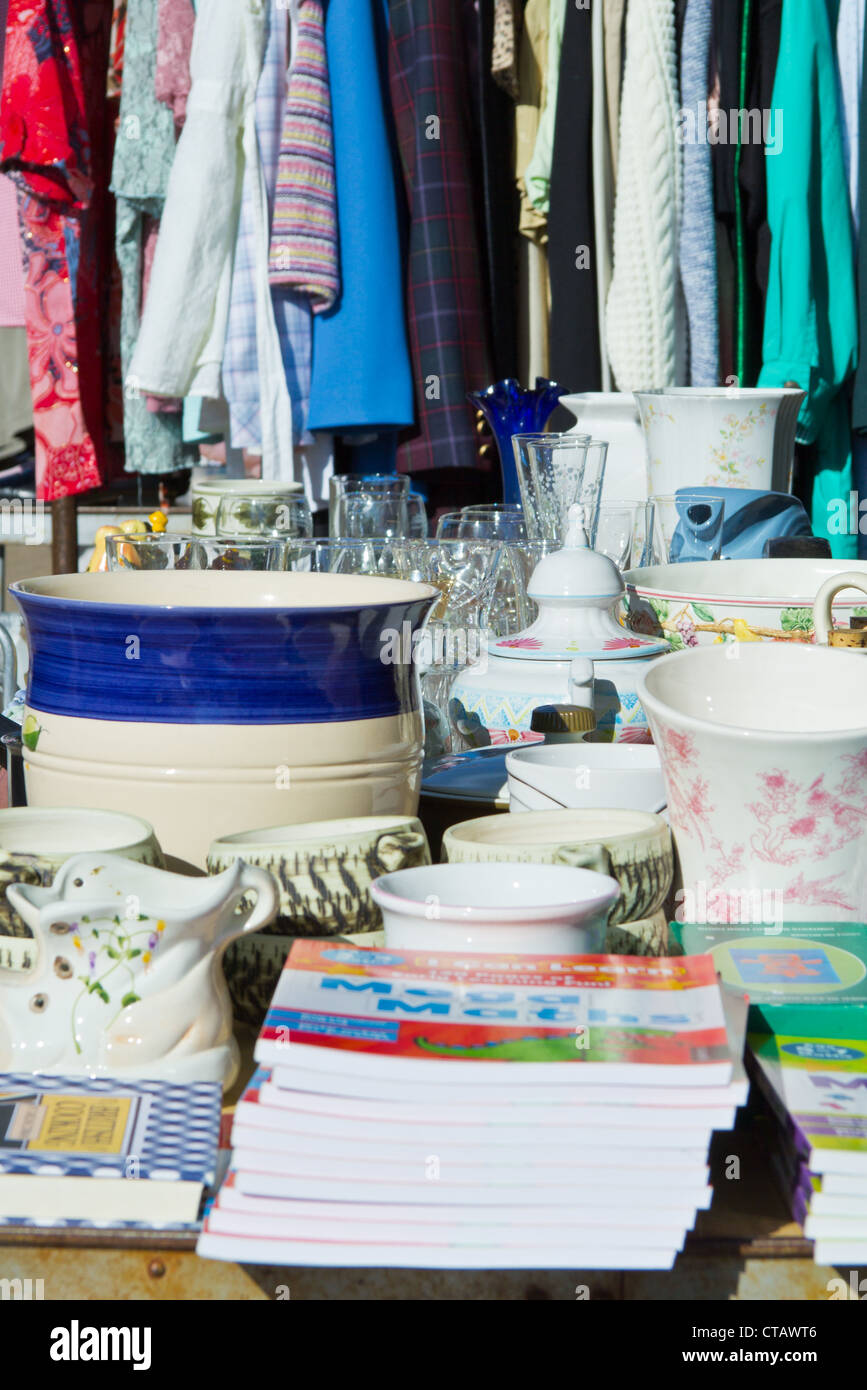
<point>126,978</point>
<point>613,416</point>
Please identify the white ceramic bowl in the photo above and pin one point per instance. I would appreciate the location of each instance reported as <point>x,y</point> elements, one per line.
<point>765,755</point>
<point>699,604</point>
<point>529,909</point>
<point>632,846</point>
<point>35,841</point>
<point>603,775</point>
<point>323,870</point>
<point>51,836</point>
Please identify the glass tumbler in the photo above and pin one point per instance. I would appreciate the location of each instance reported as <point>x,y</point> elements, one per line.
<point>368,505</point>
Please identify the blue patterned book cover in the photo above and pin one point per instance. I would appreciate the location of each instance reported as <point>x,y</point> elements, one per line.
<point>100,1127</point>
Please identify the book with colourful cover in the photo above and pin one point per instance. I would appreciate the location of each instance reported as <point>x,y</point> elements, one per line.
<point>97,1149</point>
<point>417,1014</point>
<point>818,1088</point>
<point>798,977</point>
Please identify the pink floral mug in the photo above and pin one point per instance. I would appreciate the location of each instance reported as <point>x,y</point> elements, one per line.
<point>764,753</point>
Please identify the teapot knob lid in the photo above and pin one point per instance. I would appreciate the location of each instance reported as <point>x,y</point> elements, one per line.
<point>576,531</point>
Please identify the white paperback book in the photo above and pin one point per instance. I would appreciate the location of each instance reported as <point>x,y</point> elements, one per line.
<point>846,1254</point>
<point>278,1250</point>
<point>836,1227</point>
<point>525,1095</point>
<point>312,1226</point>
<point>484,1146</point>
<point>621,1203</point>
<point>276,1107</point>
<point>832,1204</point>
<point>457,1188</point>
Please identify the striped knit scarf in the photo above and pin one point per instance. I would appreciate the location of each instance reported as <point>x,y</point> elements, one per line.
<point>304,250</point>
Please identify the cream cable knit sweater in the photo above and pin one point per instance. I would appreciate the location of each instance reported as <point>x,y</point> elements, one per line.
<point>641,318</point>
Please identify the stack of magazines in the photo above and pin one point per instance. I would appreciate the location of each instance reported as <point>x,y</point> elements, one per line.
<point>817,1089</point>
<point>434,1110</point>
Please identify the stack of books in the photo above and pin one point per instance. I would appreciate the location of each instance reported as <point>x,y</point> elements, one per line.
<point>434,1110</point>
<point>77,1151</point>
<point>807,988</point>
<point>817,1090</point>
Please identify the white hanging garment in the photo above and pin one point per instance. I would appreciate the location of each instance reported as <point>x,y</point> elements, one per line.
<point>850,62</point>
<point>603,186</point>
<point>183,330</point>
<point>641,311</point>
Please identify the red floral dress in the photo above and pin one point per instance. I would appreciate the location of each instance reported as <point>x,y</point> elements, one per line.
<point>51,86</point>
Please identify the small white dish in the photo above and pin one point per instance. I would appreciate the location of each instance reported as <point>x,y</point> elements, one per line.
<point>625,776</point>
<point>523,909</point>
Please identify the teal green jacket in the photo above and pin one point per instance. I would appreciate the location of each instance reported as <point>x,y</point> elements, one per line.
<point>811,318</point>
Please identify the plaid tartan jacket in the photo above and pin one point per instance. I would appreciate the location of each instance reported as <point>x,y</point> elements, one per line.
<point>449,333</point>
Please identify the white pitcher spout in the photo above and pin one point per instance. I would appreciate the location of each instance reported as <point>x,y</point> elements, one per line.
<point>28,901</point>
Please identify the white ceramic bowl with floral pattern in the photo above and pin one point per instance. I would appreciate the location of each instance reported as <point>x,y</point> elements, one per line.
<point>702,603</point>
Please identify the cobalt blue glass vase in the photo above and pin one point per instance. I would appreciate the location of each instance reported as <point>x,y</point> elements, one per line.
<point>510,409</point>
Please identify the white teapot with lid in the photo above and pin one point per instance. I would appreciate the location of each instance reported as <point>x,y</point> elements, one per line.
<point>575,653</point>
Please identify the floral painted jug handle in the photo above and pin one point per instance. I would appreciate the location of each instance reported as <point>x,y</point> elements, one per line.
<point>822,618</point>
<point>231,923</point>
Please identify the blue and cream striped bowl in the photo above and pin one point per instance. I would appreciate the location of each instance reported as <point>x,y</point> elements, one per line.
<point>206,701</point>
